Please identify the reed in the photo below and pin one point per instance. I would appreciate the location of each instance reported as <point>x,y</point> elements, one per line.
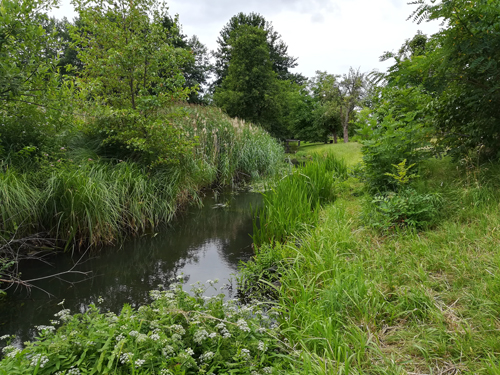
<point>291,204</point>
<point>86,196</point>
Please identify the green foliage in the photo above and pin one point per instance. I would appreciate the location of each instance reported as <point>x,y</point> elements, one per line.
<point>403,132</point>
<point>178,334</point>
<point>152,141</point>
<point>251,89</point>
<point>291,204</point>
<point>402,175</point>
<point>407,207</point>
<point>129,61</point>
<point>89,196</point>
<point>280,60</point>
<point>26,73</point>
<point>459,67</point>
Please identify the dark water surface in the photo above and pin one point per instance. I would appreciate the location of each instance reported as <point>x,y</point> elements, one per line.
<point>203,244</point>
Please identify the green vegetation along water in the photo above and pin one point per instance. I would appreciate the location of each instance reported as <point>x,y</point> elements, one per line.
<point>205,243</point>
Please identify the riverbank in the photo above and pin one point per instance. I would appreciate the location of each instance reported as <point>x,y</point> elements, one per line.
<point>349,296</point>
<point>84,194</point>
<point>358,298</point>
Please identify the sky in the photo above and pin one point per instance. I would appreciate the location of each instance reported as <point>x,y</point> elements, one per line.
<point>327,35</point>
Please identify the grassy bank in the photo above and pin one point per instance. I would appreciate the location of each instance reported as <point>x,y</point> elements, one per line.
<point>349,298</point>
<point>85,193</point>
<point>359,300</point>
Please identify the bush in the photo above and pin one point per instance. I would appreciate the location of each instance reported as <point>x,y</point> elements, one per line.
<point>398,129</point>
<point>405,208</point>
<point>177,334</point>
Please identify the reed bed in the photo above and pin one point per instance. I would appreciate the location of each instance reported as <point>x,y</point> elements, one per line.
<point>95,199</point>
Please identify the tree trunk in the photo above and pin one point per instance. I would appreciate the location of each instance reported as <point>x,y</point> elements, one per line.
<point>346,127</point>
<point>335,136</point>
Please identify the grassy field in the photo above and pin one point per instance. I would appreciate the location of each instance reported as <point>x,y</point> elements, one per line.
<point>355,300</point>
<point>350,152</point>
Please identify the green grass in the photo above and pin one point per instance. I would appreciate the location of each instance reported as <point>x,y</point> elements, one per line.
<point>291,204</point>
<point>350,152</point>
<point>358,301</point>
<point>84,194</point>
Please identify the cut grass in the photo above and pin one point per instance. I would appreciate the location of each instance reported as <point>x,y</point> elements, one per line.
<point>350,152</point>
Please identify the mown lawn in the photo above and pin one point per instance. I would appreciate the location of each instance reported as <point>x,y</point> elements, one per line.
<point>350,152</point>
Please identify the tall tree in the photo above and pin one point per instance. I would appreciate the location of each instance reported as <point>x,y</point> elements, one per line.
<point>281,62</point>
<point>350,91</point>
<point>463,72</point>
<point>130,61</point>
<point>251,89</point>
<point>324,88</point>
<point>133,72</point>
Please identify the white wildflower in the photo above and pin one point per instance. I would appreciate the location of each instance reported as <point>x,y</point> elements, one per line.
<point>243,325</point>
<point>155,337</point>
<point>139,362</point>
<point>45,329</point>
<point>133,333</point>
<point>177,328</point>
<point>200,336</point>
<point>38,358</point>
<point>205,357</point>
<point>261,346</point>
<point>245,354</point>
<point>64,315</point>
<point>189,351</point>
<point>125,358</point>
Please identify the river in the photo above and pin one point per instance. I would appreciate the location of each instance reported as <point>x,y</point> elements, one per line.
<point>203,244</point>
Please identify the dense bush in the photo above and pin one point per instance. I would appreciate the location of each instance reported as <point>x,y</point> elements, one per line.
<point>177,334</point>
<point>397,130</point>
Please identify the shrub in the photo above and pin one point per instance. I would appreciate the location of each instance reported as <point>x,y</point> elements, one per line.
<point>404,208</point>
<point>178,334</point>
<point>398,129</point>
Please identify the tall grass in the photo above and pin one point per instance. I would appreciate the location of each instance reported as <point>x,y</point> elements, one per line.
<point>87,197</point>
<point>291,204</point>
<point>356,301</point>
<point>228,149</point>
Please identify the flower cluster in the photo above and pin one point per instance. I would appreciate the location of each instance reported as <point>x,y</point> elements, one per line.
<point>179,331</point>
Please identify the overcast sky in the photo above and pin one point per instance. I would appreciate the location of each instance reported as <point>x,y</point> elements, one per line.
<point>329,35</point>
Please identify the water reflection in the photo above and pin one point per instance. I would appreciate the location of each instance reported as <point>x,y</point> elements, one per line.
<point>206,243</point>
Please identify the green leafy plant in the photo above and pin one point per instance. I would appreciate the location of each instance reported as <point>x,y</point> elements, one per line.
<point>402,175</point>
<point>178,333</point>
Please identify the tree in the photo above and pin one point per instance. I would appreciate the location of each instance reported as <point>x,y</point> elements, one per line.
<point>281,62</point>
<point>324,88</point>
<point>251,90</point>
<point>27,70</point>
<point>130,61</point>
<point>196,70</point>
<point>350,92</point>
<point>132,75</point>
<point>65,50</point>
<point>461,70</point>
<point>33,102</point>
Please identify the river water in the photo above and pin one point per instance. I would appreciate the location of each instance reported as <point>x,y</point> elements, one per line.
<point>203,244</point>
